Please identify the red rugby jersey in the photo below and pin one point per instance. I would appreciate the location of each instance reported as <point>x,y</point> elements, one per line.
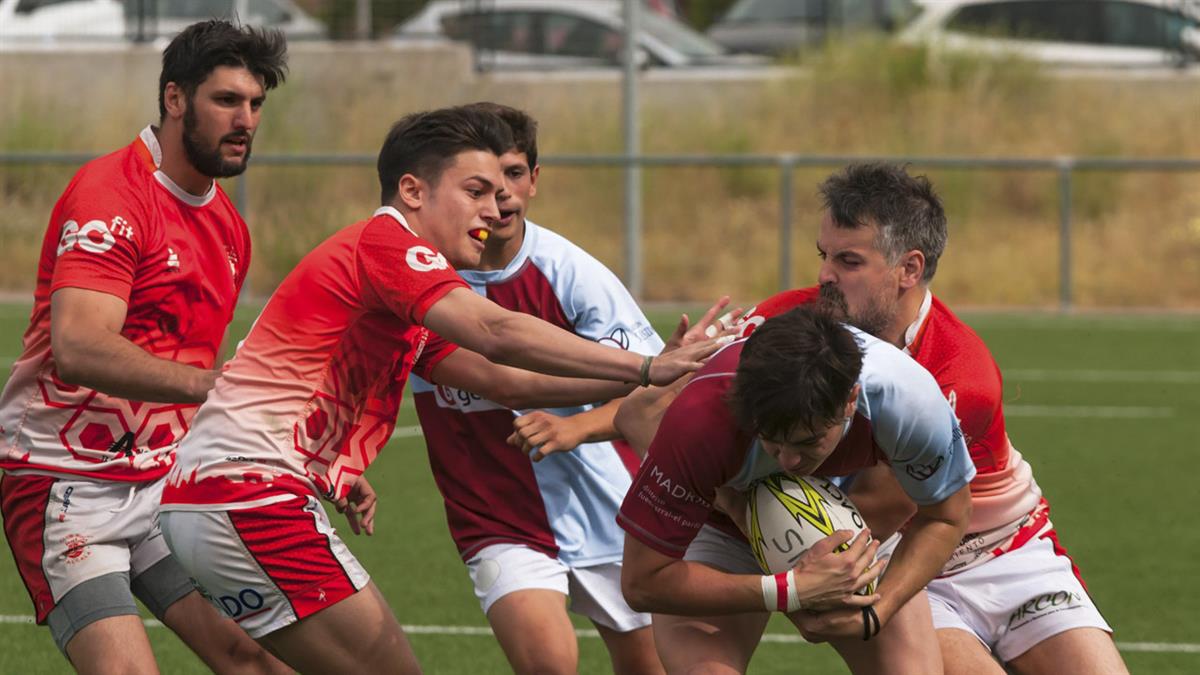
<point>178,260</point>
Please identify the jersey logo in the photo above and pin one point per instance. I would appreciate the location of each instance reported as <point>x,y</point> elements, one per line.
<point>422,259</point>
<point>172,259</point>
<point>94,236</point>
<point>233,261</point>
<point>618,338</point>
<point>463,400</point>
<point>924,471</point>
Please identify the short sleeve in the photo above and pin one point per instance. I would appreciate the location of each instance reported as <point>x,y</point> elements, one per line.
<point>435,350</point>
<point>603,310</point>
<point>405,272</point>
<point>917,430</point>
<point>697,449</point>
<point>101,235</point>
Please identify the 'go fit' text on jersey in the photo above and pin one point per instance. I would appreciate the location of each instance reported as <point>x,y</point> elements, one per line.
<point>94,236</point>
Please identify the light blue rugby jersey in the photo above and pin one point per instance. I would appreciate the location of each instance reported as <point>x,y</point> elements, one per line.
<point>582,490</point>
<point>909,420</point>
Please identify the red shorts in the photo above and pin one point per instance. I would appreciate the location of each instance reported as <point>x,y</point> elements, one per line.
<point>265,567</point>
<point>64,531</point>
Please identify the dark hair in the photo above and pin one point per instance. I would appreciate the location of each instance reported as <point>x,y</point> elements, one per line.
<point>523,127</point>
<point>202,47</point>
<point>796,371</point>
<point>426,143</point>
<point>906,209</point>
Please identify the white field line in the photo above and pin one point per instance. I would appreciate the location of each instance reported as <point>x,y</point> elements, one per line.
<point>1095,411</point>
<point>484,631</point>
<point>406,432</point>
<point>1097,376</point>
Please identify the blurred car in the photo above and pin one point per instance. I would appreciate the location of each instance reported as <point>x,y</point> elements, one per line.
<point>73,21</point>
<point>781,26</point>
<point>550,34</point>
<point>1106,33</point>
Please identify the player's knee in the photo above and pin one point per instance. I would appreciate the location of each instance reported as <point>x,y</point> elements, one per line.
<point>543,662</point>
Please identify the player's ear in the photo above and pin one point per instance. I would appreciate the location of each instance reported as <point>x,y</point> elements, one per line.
<point>411,191</point>
<point>175,100</point>
<point>533,176</point>
<point>912,268</point>
<point>852,402</point>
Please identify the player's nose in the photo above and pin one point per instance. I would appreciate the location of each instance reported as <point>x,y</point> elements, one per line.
<point>825,274</point>
<point>491,208</point>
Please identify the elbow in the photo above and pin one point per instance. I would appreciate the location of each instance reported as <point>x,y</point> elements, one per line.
<point>622,420</point>
<point>637,594</point>
<point>493,347</point>
<point>68,362</point>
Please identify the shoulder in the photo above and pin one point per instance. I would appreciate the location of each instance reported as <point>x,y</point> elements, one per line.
<point>552,251</point>
<point>117,178</point>
<point>780,303</point>
<point>889,375</point>
<point>955,354</point>
<point>775,305</point>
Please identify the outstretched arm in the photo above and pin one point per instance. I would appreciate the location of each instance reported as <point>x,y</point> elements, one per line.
<point>519,389</point>
<point>521,340</point>
<point>543,433</point>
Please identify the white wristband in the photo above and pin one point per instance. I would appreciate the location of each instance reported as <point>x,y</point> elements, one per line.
<point>780,593</point>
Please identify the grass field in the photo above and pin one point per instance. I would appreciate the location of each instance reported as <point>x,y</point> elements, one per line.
<point>1106,408</point>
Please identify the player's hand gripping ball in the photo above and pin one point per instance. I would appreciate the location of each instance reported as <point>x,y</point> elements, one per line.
<point>787,514</point>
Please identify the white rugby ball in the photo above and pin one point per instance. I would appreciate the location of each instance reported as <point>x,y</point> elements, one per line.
<point>787,514</point>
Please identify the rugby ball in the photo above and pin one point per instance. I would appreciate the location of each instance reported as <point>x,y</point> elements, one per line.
<point>787,514</point>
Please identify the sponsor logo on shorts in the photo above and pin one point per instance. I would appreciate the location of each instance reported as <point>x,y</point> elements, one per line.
<point>924,471</point>
<point>1042,606</point>
<point>66,504</point>
<point>423,259</point>
<point>77,548</point>
<point>243,604</point>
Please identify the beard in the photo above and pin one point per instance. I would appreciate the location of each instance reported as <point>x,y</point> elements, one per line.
<point>208,160</point>
<point>874,317</point>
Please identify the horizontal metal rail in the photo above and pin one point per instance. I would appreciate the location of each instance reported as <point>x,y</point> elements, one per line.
<point>786,163</point>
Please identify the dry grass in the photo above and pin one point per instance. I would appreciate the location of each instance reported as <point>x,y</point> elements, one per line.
<point>1137,236</point>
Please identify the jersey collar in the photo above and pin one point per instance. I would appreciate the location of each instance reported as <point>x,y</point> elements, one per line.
<point>397,216</point>
<point>914,329</point>
<point>150,141</point>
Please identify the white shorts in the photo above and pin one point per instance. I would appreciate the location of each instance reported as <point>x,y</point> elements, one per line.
<point>63,532</point>
<point>594,591</point>
<point>265,567</point>
<point>1016,600</point>
<point>717,549</point>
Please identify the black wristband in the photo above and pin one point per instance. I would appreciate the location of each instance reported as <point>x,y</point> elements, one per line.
<point>871,623</point>
<point>645,372</point>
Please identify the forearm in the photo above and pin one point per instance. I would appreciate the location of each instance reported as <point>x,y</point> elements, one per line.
<point>596,425</point>
<point>923,550</point>
<point>109,363</point>
<point>641,412</point>
<point>525,389</point>
<point>527,342</point>
<point>694,589</point>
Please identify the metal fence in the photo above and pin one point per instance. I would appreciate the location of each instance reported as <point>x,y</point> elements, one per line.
<point>1065,167</point>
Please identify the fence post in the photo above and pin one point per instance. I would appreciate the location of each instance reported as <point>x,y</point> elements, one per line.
<point>1065,167</point>
<point>787,164</point>
<point>633,161</point>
